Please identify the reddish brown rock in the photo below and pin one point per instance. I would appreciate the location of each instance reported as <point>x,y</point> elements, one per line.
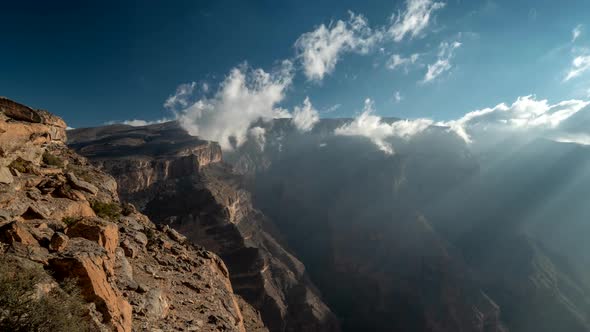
<point>187,186</point>
<point>16,232</point>
<point>105,233</point>
<point>48,201</point>
<point>59,241</point>
<point>85,261</point>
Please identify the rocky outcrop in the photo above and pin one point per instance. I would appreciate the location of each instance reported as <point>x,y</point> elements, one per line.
<point>23,131</point>
<point>181,181</point>
<point>62,213</point>
<point>90,265</point>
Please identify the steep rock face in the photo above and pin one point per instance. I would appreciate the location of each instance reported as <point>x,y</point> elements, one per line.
<point>439,233</point>
<point>537,288</point>
<point>60,212</point>
<point>369,243</point>
<point>180,181</point>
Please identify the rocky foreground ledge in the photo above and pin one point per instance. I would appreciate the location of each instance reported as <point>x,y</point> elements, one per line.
<point>61,218</point>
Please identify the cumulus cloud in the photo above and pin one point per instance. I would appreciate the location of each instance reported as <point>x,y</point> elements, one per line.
<point>305,117</point>
<point>580,65</point>
<point>565,121</point>
<point>398,61</point>
<point>397,96</point>
<point>243,98</point>
<point>320,50</point>
<point>414,19</point>
<point>443,62</point>
<point>526,114</point>
<point>576,32</point>
<point>371,126</point>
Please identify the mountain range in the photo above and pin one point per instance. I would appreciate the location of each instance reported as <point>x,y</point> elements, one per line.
<point>300,231</point>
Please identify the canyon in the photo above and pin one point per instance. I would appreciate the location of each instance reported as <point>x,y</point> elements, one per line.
<point>307,232</point>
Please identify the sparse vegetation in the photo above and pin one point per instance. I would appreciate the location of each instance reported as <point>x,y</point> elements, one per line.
<point>111,211</point>
<point>151,236</point>
<point>25,307</point>
<point>21,165</point>
<point>52,160</point>
<point>128,209</point>
<point>81,173</point>
<point>69,221</point>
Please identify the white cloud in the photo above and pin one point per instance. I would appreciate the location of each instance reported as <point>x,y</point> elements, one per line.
<point>414,19</point>
<point>537,117</point>
<point>576,32</point>
<point>259,136</point>
<point>139,122</point>
<point>397,96</point>
<point>565,121</point>
<point>398,61</point>
<point>580,64</point>
<point>320,50</point>
<point>334,108</point>
<point>305,117</point>
<point>443,62</point>
<point>181,97</point>
<point>581,139</point>
<point>369,125</point>
<point>244,97</point>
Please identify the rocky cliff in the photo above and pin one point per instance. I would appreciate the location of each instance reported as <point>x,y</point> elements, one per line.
<point>181,181</point>
<point>374,253</point>
<point>61,216</point>
<point>435,237</point>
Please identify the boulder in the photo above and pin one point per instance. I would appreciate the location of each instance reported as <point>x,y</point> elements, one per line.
<point>84,261</point>
<point>65,207</point>
<point>5,175</point>
<point>173,234</point>
<point>81,185</point>
<point>59,241</point>
<point>131,249</point>
<point>19,112</point>
<point>42,233</point>
<point>105,233</point>
<point>16,232</point>
<point>155,305</point>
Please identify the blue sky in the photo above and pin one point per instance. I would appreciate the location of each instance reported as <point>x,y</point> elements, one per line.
<point>114,61</point>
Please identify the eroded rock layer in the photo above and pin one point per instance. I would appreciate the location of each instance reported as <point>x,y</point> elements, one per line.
<point>181,181</point>
<point>60,213</point>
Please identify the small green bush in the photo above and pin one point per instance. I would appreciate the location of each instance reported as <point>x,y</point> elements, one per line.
<point>151,236</point>
<point>24,308</point>
<point>21,165</point>
<point>69,221</point>
<point>127,209</point>
<point>82,173</point>
<point>52,160</point>
<point>111,211</point>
